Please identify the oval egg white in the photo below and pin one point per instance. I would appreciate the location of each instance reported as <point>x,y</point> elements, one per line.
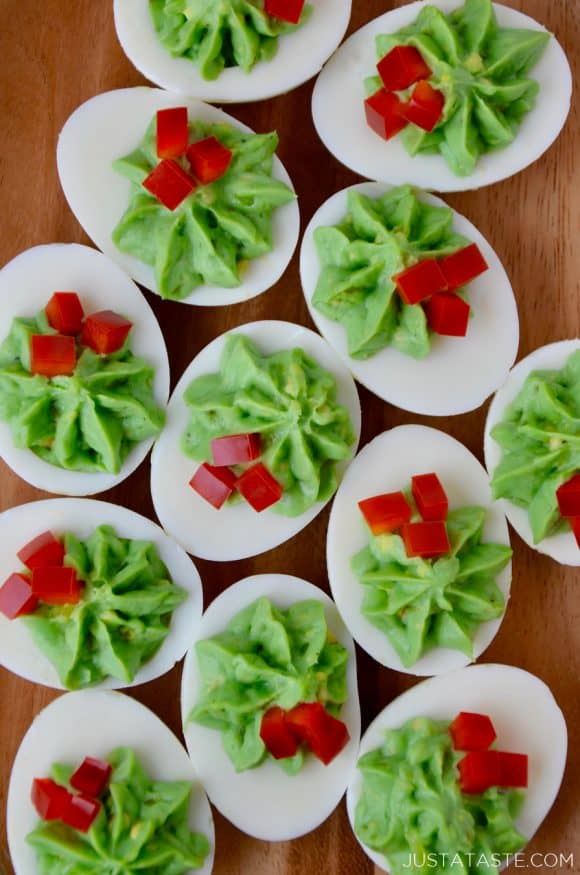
<point>81,517</point>
<point>387,464</point>
<point>236,531</point>
<point>524,714</point>
<point>339,117</point>
<point>561,547</point>
<point>460,372</point>
<point>264,802</point>
<point>110,126</point>
<point>26,285</point>
<point>94,723</point>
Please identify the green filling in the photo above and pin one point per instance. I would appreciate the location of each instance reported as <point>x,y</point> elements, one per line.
<point>216,34</point>
<point>143,826</point>
<point>421,604</point>
<point>481,69</point>
<point>412,810</point>
<point>124,615</point>
<point>216,229</point>
<point>540,440</point>
<point>89,421</point>
<point>376,239</point>
<point>267,657</point>
<point>290,401</point>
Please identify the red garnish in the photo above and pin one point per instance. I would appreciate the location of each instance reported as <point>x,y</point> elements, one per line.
<point>311,723</point>
<point>402,67</point>
<point>52,355</point>
<point>427,539</point>
<point>472,731</point>
<point>172,132</point>
<point>481,769</point>
<point>17,597</point>
<point>429,496</point>
<point>259,487</point>
<point>49,798</point>
<point>81,812</point>
<point>276,734</point>
<point>105,332</point>
<point>209,159</point>
<point>568,495</point>
<point>42,551</point>
<point>65,313</point>
<point>420,281</point>
<point>169,183</point>
<point>92,776</point>
<point>385,513</point>
<point>56,586</point>
<point>463,266</point>
<point>448,314</point>
<point>214,484</point>
<point>235,449</point>
<point>425,107</point>
<point>285,10</point>
<point>575,524</point>
<point>383,112</point>
<point>513,769</point>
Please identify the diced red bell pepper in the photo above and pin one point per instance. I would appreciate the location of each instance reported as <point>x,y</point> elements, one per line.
<point>430,497</point>
<point>402,67</point>
<point>463,266</point>
<point>575,524</point>
<point>214,484</point>
<point>320,731</point>
<point>52,355</point>
<point>276,734</point>
<point>42,551</point>
<point>235,449</point>
<point>448,314</point>
<point>472,731</point>
<point>209,159</point>
<point>420,281</point>
<point>478,771</point>
<point>105,332</point>
<point>17,597</point>
<point>385,513</point>
<point>259,487</point>
<point>285,10</point>
<point>568,495</point>
<point>513,769</point>
<point>65,313</point>
<point>425,106</point>
<point>50,799</point>
<point>169,183</point>
<point>383,111</point>
<point>172,132</point>
<point>56,586</point>
<point>81,812</point>
<point>426,539</point>
<point>91,777</point>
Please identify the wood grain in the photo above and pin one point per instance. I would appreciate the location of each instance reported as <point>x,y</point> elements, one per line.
<point>58,53</point>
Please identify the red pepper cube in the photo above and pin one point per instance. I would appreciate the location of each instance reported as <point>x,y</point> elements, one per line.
<point>385,513</point>
<point>575,524</point>
<point>463,266</point>
<point>209,159</point>
<point>105,332</point>
<point>568,495</point>
<point>479,770</point>
<point>448,314</point>
<point>169,183</point>
<point>402,67</point>
<point>425,107</point>
<point>91,777</point>
<point>65,313</point>
<point>427,539</point>
<point>383,114</point>
<point>320,731</point>
<point>17,597</point>
<point>235,449</point>
<point>81,812</point>
<point>172,132</point>
<point>276,735</point>
<point>285,10</point>
<point>420,281</point>
<point>42,551</point>
<point>259,488</point>
<point>214,484</point>
<point>52,355</point>
<point>430,497</point>
<point>513,769</point>
<point>50,799</point>
<point>56,586</point>
<point>472,731</point>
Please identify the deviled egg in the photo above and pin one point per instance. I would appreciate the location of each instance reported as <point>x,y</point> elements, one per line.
<point>418,555</point>
<point>92,594</point>
<point>190,202</point>
<point>84,373</point>
<point>277,765</point>
<point>138,794</point>
<point>412,297</point>
<point>532,450</point>
<point>457,95</point>
<point>260,430</point>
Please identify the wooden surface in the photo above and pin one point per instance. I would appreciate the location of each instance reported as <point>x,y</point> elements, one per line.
<point>56,54</point>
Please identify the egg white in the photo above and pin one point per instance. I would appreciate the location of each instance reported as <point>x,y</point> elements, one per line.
<point>110,126</point>
<point>81,517</point>
<point>561,547</point>
<point>524,713</point>
<point>236,531</point>
<point>338,110</point>
<point>300,55</point>
<point>264,802</point>
<point>94,723</point>
<point>26,285</point>
<point>460,372</point>
<point>387,464</point>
